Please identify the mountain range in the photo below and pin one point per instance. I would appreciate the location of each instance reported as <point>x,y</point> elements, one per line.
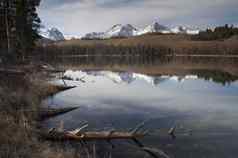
<point>128,30</point>
<point>120,30</point>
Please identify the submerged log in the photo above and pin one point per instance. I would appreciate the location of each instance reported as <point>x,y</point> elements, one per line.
<point>54,135</point>
<point>52,112</point>
<point>82,137</point>
<point>63,87</point>
<point>54,89</point>
<point>78,135</point>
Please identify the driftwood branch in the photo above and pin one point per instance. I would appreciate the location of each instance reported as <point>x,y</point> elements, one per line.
<point>78,130</point>
<point>171,132</point>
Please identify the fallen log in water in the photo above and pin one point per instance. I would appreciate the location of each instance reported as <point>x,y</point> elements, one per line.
<point>64,88</point>
<point>46,113</point>
<point>108,136</point>
<point>54,89</point>
<point>89,136</point>
<point>77,134</point>
<point>82,137</point>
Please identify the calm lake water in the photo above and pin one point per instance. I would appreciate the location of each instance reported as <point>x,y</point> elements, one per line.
<point>203,106</point>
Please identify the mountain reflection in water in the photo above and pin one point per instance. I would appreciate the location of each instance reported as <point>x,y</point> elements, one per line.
<point>129,77</point>
<point>119,77</point>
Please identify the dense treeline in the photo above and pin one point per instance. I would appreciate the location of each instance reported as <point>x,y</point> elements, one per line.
<point>53,53</point>
<point>219,33</point>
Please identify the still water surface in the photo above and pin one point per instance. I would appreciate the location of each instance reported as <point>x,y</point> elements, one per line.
<point>205,112</point>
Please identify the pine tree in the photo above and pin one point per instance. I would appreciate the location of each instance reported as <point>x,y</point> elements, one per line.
<point>27,25</point>
<point>7,29</point>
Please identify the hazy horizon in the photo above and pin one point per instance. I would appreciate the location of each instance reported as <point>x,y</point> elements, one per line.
<point>78,17</point>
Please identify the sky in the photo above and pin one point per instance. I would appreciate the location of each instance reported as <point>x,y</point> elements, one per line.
<point>78,17</point>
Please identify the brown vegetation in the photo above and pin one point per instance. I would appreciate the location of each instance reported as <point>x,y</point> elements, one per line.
<point>180,44</point>
<point>149,47</point>
<point>18,96</point>
<point>16,134</point>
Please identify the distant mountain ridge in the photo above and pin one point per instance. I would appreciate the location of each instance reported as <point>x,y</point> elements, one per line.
<point>128,30</point>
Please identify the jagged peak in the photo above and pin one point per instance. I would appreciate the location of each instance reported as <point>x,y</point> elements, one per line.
<point>128,30</point>
<point>54,29</point>
<point>116,26</point>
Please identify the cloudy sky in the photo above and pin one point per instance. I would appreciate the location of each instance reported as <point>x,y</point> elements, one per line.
<point>77,17</point>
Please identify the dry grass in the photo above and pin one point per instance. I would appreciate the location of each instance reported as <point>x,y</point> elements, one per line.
<point>16,125</point>
<point>144,40</point>
<point>20,104</point>
<point>181,43</point>
<point>18,138</point>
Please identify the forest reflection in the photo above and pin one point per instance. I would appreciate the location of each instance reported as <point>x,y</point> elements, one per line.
<point>220,70</point>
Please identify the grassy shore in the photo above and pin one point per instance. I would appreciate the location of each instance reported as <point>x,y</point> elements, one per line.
<point>179,44</point>
<point>18,139</point>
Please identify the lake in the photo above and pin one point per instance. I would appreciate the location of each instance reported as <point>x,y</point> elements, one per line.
<point>202,104</point>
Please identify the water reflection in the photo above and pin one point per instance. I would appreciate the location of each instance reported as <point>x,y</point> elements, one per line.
<point>120,100</point>
<point>129,77</point>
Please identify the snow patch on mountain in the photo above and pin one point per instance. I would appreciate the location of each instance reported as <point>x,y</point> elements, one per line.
<point>53,34</point>
<point>121,31</point>
<point>154,27</point>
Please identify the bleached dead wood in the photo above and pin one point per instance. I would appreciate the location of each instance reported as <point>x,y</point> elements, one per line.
<point>87,136</point>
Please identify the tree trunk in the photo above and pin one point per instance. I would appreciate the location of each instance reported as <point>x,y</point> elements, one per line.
<point>7,28</point>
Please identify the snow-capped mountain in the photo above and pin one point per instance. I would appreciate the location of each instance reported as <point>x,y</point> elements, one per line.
<point>121,31</point>
<point>155,27</point>
<point>53,34</point>
<point>178,29</point>
<point>130,31</point>
<point>115,31</point>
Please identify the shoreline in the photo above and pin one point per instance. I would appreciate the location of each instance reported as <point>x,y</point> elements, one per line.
<point>137,55</point>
